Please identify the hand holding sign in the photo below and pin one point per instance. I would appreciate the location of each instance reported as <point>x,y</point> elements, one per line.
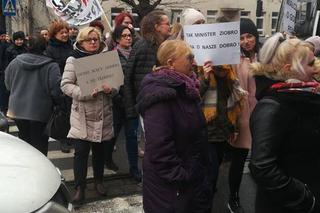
<point>214,42</point>
<point>99,72</point>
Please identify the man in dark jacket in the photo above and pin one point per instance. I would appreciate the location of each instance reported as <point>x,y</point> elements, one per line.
<point>17,47</point>
<point>3,91</point>
<point>34,84</point>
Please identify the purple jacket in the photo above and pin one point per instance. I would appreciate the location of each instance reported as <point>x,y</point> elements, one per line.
<point>175,162</point>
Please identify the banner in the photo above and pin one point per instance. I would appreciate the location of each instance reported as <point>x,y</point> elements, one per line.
<point>219,42</point>
<point>289,16</point>
<point>94,71</point>
<point>76,12</point>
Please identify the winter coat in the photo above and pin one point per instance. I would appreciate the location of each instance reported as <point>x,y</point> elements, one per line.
<point>34,84</point>
<point>59,51</point>
<point>285,160</point>
<point>91,117</point>
<point>175,160</point>
<point>3,59</point>
<point>247,83</point>
<point>13,51</point>
<point>141,61</point>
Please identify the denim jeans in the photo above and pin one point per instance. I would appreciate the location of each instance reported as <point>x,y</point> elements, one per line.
<point>131,128</point>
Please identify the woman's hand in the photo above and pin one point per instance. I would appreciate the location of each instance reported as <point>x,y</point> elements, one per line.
<point>94,93</point>
<point>106,89</point>
<point>207,69</point>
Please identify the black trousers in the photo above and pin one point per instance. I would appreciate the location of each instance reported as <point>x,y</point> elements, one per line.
<point>81,156</point>
<point>33,133</point>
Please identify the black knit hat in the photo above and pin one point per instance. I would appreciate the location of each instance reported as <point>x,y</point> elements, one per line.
<point>2,31</point>
<point>247,26</point>
<point>17,35</point>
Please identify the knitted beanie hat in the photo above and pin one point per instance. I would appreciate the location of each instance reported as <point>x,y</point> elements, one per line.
<point>2,31</point>
<point>315,41</point>
<point>247,26</point>
<point>191,16</point>
<point>17,35</point>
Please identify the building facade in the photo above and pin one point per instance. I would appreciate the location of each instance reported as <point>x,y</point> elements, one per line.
<point>32,15</point>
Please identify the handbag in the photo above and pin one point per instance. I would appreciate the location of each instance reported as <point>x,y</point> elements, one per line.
<point>58,125</point>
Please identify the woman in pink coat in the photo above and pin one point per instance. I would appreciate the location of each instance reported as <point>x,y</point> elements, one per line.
<point>242,142</point>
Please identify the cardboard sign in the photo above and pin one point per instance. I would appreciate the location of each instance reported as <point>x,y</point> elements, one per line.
<point>94,71</point>
<point>219,42</point>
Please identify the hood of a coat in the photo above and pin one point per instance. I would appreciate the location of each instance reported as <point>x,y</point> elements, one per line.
<point>153,89</point>
<point>263,84</point>
<point>31,61</point>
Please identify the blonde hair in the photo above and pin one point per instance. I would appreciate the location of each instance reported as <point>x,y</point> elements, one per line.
<point>172,49</point>
<point>84,34</point>
<point>277,52</point>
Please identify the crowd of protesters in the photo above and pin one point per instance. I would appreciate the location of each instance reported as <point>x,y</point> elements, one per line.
<point>191,117</point>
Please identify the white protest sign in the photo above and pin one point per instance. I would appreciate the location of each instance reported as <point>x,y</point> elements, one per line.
<point>289,15</point>
<point>94,71</point>
<point>219,42</point>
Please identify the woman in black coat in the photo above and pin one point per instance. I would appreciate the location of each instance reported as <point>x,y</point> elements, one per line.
<point>285,127</point>
<point>59,48</point>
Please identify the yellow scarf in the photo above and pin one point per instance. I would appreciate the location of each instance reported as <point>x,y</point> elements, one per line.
<point>235,101</point>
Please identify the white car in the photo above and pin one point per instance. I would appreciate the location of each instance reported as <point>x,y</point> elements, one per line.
<point>29,182</point>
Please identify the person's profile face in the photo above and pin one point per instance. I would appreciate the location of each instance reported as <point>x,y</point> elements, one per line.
<point>45,34</point>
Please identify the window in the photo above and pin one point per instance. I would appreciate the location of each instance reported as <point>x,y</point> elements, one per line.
<point>245,14</point>
<point>211,16</point>
<point>260,25</point>
<point>114,12</point>
<point>175,16</point>
<point>274,19</point>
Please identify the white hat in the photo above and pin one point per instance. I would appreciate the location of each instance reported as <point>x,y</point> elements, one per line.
<point>190,16</point>
<point>315,40</point>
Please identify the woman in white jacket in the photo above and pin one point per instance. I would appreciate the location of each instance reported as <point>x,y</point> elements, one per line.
<point>91,116</point>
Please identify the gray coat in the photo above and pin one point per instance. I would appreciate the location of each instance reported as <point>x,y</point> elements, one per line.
<point>34,84</point>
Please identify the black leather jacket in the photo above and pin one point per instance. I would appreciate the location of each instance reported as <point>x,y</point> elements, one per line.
<point>285,163</point>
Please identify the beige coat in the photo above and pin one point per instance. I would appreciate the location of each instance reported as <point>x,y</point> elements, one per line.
<point>247,82</point>
<point>91,118</point>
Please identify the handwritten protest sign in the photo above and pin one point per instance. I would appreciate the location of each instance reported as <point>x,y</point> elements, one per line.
<point>219,42</point>
<point>94,71</point>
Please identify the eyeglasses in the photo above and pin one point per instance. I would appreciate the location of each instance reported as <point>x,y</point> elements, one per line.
<point>91,39</point>
<point>126,36</point>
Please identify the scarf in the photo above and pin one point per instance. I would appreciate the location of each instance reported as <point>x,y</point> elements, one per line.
<point>175,78</point>
<point>235,100</point>
<point>295,86</point>
<point>123,51</point>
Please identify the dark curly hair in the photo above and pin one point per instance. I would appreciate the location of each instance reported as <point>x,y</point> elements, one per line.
<point>117,32</point>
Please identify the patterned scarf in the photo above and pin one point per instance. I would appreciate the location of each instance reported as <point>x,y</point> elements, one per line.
<point>124,52</point>
<point>296,86</point>
<point>176,78</point>
<point>235,100</point>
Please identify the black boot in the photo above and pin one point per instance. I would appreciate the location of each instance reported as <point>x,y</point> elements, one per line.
<point>64,146</point>
<point>79,196</point>
<point>99,187</point>
<point>234,204</point>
